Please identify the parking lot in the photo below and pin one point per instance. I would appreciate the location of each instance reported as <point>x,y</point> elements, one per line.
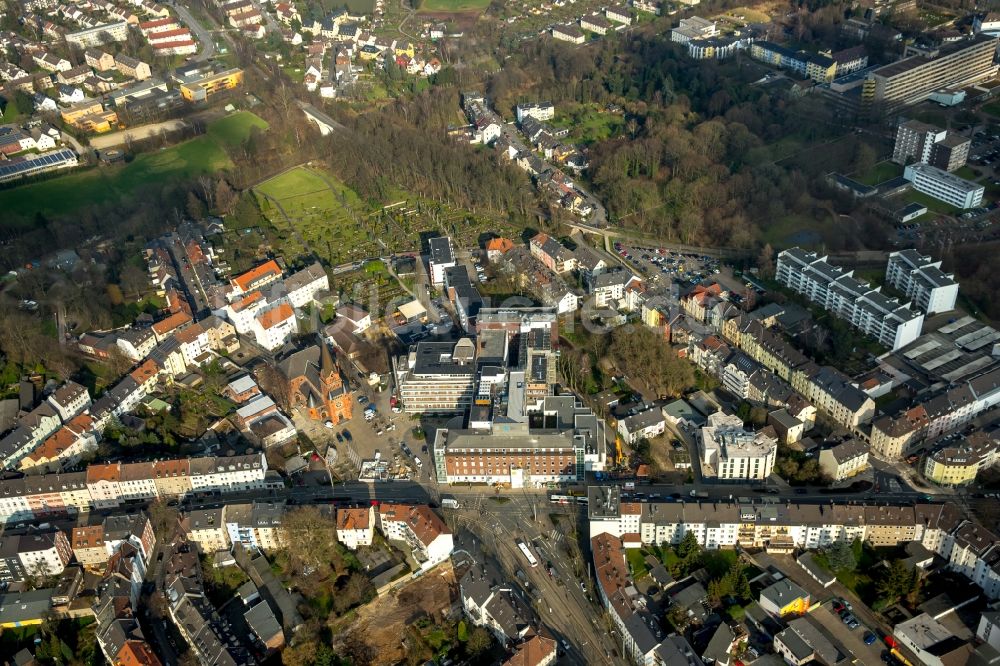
<point>660,264</point>
<point>853,639</point>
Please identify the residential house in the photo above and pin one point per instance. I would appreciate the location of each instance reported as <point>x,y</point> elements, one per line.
<point>844,460</point>
<point>784,598</point>
<point>356,527</point>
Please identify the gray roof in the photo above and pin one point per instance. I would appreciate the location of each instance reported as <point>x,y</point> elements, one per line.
<point>262,621</point>
<point>441,251</point>
<point>782,593</point>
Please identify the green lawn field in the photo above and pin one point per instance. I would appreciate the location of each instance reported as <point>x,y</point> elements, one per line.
<point>454,5</point>
<point>234,129</point>
<point>882,172</point>
<point>317,207</point>
<point>59,196</point>
<point>193,158</point>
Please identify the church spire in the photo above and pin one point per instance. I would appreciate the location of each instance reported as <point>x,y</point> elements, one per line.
<point>326,364</point>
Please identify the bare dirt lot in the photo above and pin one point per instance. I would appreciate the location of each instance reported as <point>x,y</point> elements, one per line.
<point>381,625</point>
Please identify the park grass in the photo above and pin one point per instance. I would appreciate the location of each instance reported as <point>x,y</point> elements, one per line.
<point>588,124</point>
<point>782,232</point>
<point>880,173</point>
<point>967,172</point>
<point>235,128</point>
<point>932,204</point>
<point>62,195</point>
<point>454,5</point>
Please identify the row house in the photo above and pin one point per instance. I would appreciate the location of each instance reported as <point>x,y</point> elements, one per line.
<point>700,301</point>
<point>832,392</point>
<point>35,554</point>
<point>256,525</point>
<point>64,447</point>
<point>136,343</point>
<point>553,254</point>
<point>966,546</point>
<point>892,436</point>
<point>31,430</point>
<point>93,545</point>
<point>104,486</point>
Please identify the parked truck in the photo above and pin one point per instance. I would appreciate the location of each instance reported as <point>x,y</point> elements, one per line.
<point>698,494</point>
<point>449,503</point>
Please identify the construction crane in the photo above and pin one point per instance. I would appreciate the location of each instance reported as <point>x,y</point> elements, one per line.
<point>619,451</point>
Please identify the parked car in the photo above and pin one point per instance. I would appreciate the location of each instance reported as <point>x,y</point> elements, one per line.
<point>838,606</point>
<point>870,638</point>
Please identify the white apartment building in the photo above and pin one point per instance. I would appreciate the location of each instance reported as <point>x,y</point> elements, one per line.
<point>728,452</point>
<point>541,111</point>
<point>303,286</point>
<point>442,256</point>
<point>644,425</point>
<point>421,529</point>
<point>229,474</point>
<point>944,186</point>
<point>891,323</point>
<point>922,280</point>
<point>693,28</point>
<point>99,34</point>
<point>356,527</point>
<point>273,327</point>
<point>69,400</point>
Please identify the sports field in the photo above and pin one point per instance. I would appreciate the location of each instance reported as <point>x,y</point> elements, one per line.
<point>454,5</point>
<point>185,161</point>
<point>234,129</point>
<point>59,196</point>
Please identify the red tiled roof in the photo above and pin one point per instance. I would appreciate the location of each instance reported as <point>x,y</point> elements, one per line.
<point>246,280</point>
<point>275,316</point>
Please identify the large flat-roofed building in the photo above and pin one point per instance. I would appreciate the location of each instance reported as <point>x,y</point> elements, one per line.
<point>695,27</point>
<point>442,256</point>
<point>200,87</point>
<point>944,186</point>
<point>922,279</point>
<point>437,377</point>
<point>558,445</point>
<point>893,324</point>
<point>729,453</point>
<point>914,79</point>
<point>99,34</point>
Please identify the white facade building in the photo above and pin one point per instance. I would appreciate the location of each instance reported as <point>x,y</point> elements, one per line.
<point>944,186</point>
<point>893,324</point>
<point>728,452</point>
<point>922,279</point>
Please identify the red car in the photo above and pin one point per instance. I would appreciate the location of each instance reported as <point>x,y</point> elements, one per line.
<point>838,607</point>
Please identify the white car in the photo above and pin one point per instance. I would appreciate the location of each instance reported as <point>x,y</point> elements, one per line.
<point>418,462</point>
<point>329,424</point>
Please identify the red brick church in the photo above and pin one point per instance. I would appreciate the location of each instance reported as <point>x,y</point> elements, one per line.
<point>314,382</point>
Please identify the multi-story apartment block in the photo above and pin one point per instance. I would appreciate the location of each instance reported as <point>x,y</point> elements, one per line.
<point>844,460</point>
<point>99,34</point>
<point>892,436</point>
<point>892,324</point>
<point>922,280</point>
<point>419,527</point>
<point>356,527</point>
<point>646,424</point>
<point>967,547</point>
<point>959,464</point>
<point>553,254</point>
<point>437,376</point>
<point>919,142</point>
<point>832,392</point>
<point>730,453</point>
<point>540,111</point>
<point>109,485</point>
<point>691,28</point>
<point>944,186</point>
<point>914,79</point>
<point>819,68</point>
<point>36,554</point>
<point>200,87</point>
<point>303,285</point>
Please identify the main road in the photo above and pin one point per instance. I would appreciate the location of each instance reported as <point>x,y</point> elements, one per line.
<point>203,34</point>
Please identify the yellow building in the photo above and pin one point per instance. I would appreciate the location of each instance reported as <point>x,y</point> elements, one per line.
<point>784,598</point>
<point>958,465</point>
<point>90,117</point>
<point>199,88</point>
<point>405,48</point>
